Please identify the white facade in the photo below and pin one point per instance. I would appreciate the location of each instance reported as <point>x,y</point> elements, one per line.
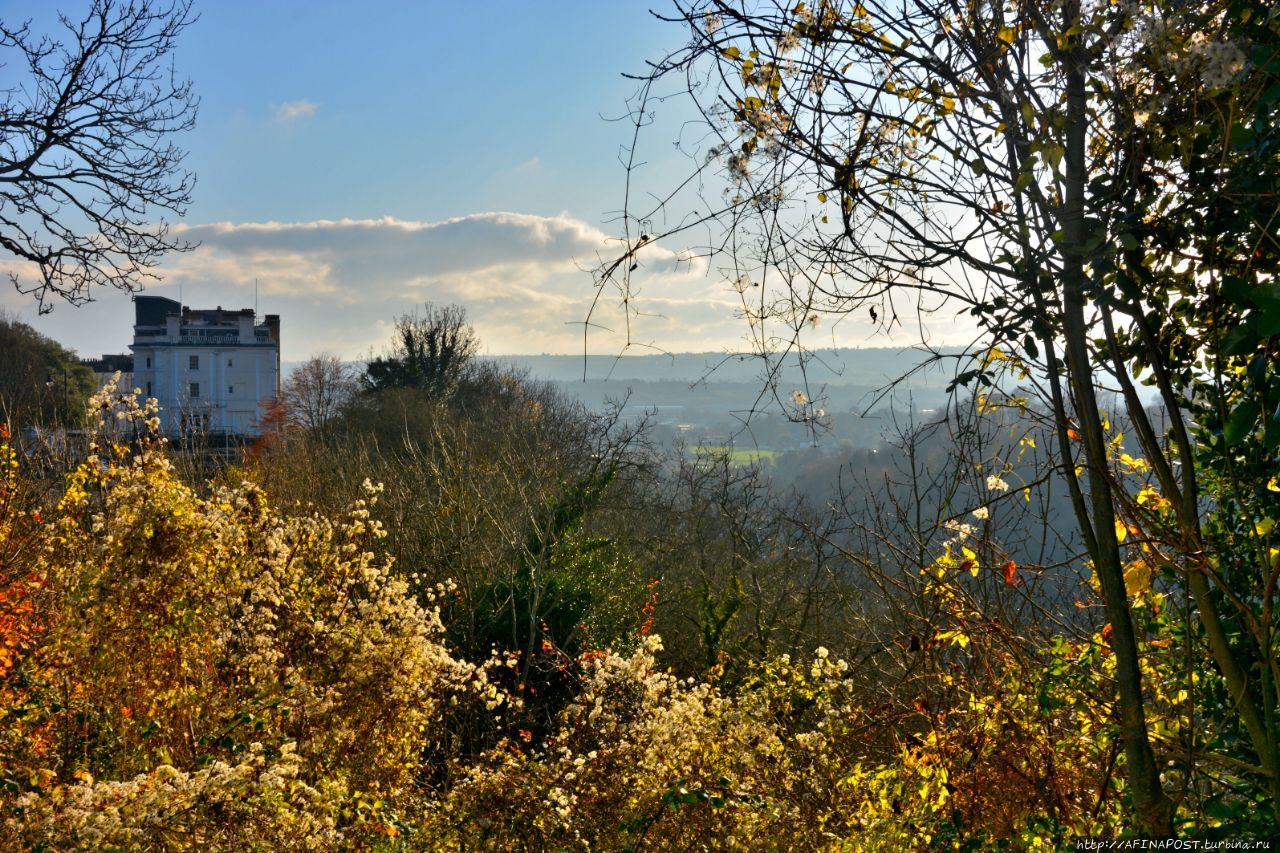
<point>212,371</point>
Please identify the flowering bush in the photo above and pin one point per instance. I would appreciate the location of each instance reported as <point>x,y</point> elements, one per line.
<point>179,669</point>
<point>215,808</point>
<point>794,759</point>
<point>220,637</point>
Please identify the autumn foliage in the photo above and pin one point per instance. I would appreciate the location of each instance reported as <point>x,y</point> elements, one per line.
<point>183,668</point>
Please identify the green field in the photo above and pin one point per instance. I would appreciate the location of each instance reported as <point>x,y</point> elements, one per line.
<point>742,456</point>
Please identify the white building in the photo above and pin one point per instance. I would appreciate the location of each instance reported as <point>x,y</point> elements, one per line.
<point>105,369</point>
<point>212,371</point>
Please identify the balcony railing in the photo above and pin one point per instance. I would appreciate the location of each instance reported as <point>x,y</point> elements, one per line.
<point>210,340</point>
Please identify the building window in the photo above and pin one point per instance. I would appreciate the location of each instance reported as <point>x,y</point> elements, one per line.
<point>148,389</point>
<point>195,388</point>
<point>228,362</point>
<point>194,362</point>
<point>231,389</point>
<point>148,362</point>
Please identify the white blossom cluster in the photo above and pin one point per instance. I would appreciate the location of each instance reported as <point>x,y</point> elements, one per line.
<point>168,807</point>
<point>961,529</point>
<point>1218,62</point>
<point>637,737</point>
<point>1171,52</point>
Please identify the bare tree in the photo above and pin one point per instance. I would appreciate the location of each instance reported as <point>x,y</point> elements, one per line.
<point>431,352</point>
<point>317,391</point>
<point>87,166</point>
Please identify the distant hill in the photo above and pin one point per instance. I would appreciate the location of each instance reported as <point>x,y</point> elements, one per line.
<point>711,398</point>
<point>709,395</point>
<point>866,367</point>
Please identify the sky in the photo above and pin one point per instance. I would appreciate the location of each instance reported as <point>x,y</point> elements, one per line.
<point>356,160</point>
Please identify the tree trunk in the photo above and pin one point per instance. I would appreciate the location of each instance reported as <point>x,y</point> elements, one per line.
<point>1153,808</point>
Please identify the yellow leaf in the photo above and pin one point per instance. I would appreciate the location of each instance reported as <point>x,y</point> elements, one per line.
<point>1122,531</point>
<point>1150,497</point>
<point>1137,577</point>
<point>1007,35</point>
<point>822,197</point>
<point>1133,463</point>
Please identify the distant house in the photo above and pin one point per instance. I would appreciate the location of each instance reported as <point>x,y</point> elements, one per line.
<point>105,368</point>
<point>212,371</point>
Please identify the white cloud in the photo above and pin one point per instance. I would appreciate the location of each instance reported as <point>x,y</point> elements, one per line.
<point>293,110</point>
<point>525,281</point>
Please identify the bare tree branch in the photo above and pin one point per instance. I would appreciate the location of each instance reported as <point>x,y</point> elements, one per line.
<point>88,168</point>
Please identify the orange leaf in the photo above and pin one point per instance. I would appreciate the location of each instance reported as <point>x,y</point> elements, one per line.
<point>1010,571</point>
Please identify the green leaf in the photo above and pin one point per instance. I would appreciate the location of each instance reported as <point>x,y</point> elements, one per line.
<point>1267,319</point>
<point>1242,136</point>
<point>1271,436</point>
<point>1241,421</point>
<point>1237,290</point>
<point>1128,242</point>
<point>1240,340</point>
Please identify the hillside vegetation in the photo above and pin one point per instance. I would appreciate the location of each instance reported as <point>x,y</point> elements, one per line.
<point>550,638</point>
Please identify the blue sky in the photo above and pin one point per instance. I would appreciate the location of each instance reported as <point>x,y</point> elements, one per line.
<point>355,160</point>
<point>418,111</point>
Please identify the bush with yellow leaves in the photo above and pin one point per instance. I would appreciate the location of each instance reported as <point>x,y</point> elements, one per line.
<point>202,670</point>
<point>254,652</point>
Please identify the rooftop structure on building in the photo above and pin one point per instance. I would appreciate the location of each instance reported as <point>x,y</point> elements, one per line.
<point>105,369</point>
<point>213,371</point>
